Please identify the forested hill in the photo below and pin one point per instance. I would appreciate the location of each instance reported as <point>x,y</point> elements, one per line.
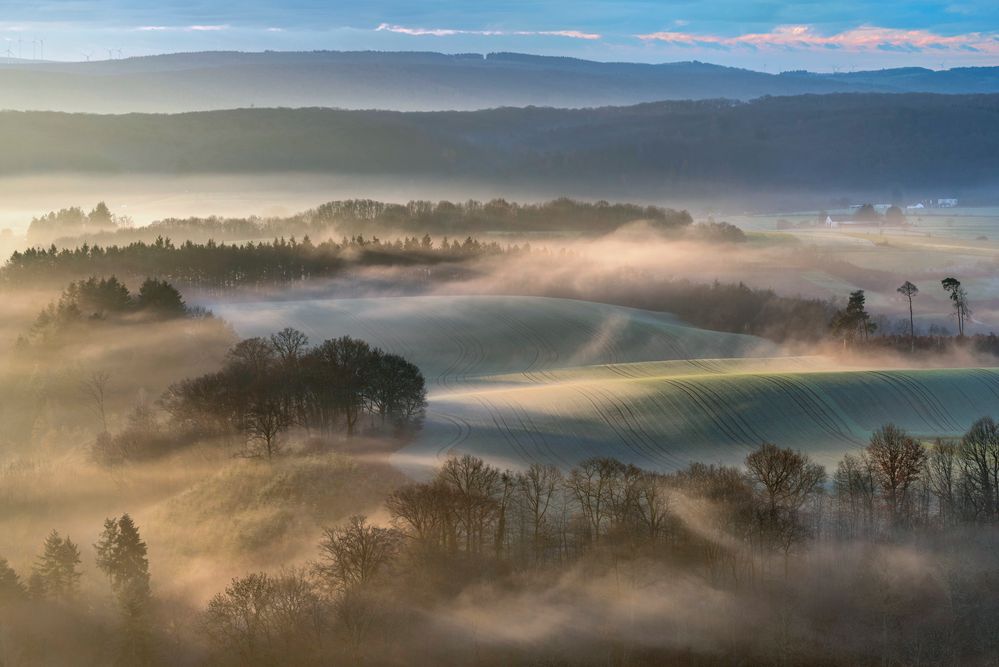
<point>945,143</point>
<point>422,82</point>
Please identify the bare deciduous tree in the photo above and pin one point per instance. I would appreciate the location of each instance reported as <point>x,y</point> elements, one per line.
<point>785,477</point>
<point>477,486</point>
<point>95,387</point>
<point>537,487</point>
<point>353,554</point>
<point>897,460</point>
<point>979,455</point>
<point>289,344</point>
<point>942,477</point>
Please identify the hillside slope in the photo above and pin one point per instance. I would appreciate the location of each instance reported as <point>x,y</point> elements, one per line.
<point>457,340</point>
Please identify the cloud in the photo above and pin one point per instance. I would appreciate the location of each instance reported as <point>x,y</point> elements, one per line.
<point>864,38</point>
<point>448,32</point>
<point>188,28</point>
<point>574,34</point>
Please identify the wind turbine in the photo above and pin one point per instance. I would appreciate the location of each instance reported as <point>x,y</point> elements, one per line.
<point>87,56</point>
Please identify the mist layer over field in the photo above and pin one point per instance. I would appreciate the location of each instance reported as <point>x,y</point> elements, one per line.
<point>577,348</point>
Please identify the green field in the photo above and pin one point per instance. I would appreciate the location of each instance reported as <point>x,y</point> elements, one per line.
<point>666,421</point>
<point>517,380</point>
<point>457,339</point>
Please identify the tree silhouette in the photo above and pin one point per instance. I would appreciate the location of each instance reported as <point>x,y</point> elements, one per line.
<point>959,297</point>
<point>56,567</point>
<point>160,298</point>
<point>908,290</point>
<point>897,460</point>
<point>854,320</point>
<point>12,589</point>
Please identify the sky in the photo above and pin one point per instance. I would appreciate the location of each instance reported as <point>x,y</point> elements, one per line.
<point>766,35</point>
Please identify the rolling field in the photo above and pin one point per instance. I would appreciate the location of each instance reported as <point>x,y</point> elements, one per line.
<point>459,339</point>
<point>518,380</point>
<point>658,418</point>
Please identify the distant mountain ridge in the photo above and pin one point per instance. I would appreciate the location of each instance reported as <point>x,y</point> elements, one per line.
<point>423,81</point>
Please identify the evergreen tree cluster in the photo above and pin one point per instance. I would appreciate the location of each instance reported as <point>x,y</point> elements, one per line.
<point>221,265</point>
<point>121,554</point>
<point>107,298</point>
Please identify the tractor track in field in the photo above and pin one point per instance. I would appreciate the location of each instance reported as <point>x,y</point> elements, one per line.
<point>930,411</point>
<point>629,438</point>
<point>817,409</point>
<point>536,434</point>
<point>462,427</point>
<point>988,378</point>
<point>730,422</point>
<point>624,417</point>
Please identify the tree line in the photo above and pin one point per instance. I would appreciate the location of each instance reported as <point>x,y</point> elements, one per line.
<point>73,221</point>
<point>363,217</point>
<point>474,522</point>
<point>223,265</point>
<point>744,532</point>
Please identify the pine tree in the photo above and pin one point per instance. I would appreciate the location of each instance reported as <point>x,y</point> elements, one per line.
<point>11,587</point>
<point>122,556</point>
<point>107,549</point>
<point>56,567</point>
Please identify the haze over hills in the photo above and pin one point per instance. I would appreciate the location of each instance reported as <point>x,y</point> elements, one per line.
<point>422,81</point>
<point>824,143</point>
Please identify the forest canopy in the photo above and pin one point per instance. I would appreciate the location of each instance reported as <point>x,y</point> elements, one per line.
<point>780,143</point>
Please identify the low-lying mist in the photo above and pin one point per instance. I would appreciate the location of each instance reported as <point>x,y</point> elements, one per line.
<point>710,586</point>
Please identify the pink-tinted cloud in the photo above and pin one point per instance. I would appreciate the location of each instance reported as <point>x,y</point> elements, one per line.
<point>864,38</point>
<point>448,32</point>
<point>574,34</point>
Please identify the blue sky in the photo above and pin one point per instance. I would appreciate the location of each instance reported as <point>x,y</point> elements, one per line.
<point>758,34</point>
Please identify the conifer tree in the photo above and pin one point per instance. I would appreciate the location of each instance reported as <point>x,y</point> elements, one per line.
<point>11,587</point>
<point>122,556</point>
<point>56,568</point>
